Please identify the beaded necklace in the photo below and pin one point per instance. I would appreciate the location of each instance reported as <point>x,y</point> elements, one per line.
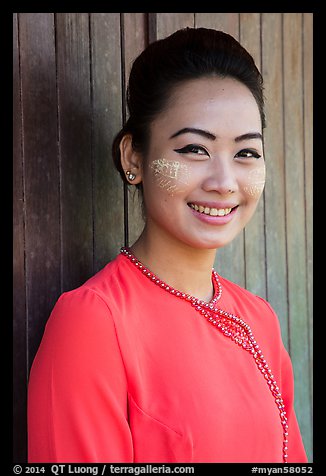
<point>231,326</point>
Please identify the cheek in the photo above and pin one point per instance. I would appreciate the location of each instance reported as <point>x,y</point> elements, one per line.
<point>254,182</point>
<point>170,175</point>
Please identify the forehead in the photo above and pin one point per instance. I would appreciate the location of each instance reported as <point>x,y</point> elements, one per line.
<point>221,105</point>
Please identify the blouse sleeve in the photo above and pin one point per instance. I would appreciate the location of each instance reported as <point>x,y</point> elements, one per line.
<point>77,393</point>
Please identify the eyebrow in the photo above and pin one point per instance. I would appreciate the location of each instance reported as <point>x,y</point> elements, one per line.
<point>193,130</point>
<point>249,135</point>
<point>209,135</point>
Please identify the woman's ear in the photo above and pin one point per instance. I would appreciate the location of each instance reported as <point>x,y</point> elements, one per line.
<point>131,160</point>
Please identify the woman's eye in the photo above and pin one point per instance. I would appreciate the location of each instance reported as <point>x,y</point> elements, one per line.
<point>192,149</point>
<point>248,154</point>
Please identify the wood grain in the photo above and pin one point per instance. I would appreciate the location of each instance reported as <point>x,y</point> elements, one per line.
<point>308,169</point>
<point>75,132</point>
<point>275,217</point>
<point>254,233</point>
<point>108,209</point>
<point>20,371</point>
<point>168,23</point>
<point>134,41</point>
<point>41,174</point>
<point>295,215</point>
<point>228,22</point>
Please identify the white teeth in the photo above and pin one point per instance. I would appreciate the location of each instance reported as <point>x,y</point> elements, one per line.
<point>211,211</point>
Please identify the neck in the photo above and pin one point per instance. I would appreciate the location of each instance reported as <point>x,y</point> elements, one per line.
<point>181,266</point>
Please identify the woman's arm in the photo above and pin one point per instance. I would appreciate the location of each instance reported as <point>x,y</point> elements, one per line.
<point>77,395</point>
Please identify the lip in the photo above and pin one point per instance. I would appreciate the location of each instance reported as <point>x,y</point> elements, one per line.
<point>214,220</point>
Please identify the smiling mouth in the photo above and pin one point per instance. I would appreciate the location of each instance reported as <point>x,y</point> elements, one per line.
<point>214,212</point>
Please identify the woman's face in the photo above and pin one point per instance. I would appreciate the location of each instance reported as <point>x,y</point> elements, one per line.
<point>205,170</point>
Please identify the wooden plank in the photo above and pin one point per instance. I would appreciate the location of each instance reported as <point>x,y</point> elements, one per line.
<point>254,233</point>
<point>295,218</point>
<point>228,22</point>
<point>276,264</point>
<point>308,154</point>
<point>249,27</point>
<point>19,296</point>
<point>107,120</point>
<point>75,130</point>
<point>41,171</point>
<point>168,23</point>
<point>230,260</point>
<point>134,37</point>
<point>134,31</point>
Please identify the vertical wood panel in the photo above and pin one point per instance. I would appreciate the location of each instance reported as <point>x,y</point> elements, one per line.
<point>134,41</point>
<point>19,298</point>
<point>228,22</point>
<point>230,260</point>
<point>276,265</point>
<point>295,215</point>
<point>255,264</point>
<point>41,171</point>
<point>308,154</point>
<point>108,207</point>
<point>168,23</point>
<point>74,102</point>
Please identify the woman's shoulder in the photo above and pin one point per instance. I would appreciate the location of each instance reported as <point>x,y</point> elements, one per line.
<point>245,301</point>
<point>104,283</point>
<point>97,295</point>
<point>80,333</point>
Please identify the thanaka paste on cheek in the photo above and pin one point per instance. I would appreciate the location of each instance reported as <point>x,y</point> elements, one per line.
<point>255,182</point>
<point>171,176</point>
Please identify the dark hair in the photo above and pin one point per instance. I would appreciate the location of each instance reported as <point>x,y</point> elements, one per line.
<point>187,54</point>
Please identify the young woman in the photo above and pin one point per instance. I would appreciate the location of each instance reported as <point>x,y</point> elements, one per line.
<point>157,358</point>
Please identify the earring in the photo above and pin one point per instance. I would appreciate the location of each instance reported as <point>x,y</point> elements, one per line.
<point>130,176</point>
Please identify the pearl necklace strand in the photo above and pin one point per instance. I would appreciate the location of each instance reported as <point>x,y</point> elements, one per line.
<point>231,326</point>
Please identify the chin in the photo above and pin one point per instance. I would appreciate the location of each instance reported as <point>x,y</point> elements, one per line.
<point>208,244</point>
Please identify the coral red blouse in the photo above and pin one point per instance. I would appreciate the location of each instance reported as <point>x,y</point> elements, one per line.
<point>127,372</point>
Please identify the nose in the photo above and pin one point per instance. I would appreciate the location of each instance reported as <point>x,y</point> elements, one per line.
<point>221,177</point>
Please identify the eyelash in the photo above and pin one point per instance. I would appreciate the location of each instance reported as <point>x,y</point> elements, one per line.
<point>253,153</point>
<point>189,149</point>
<point>192,148</point>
